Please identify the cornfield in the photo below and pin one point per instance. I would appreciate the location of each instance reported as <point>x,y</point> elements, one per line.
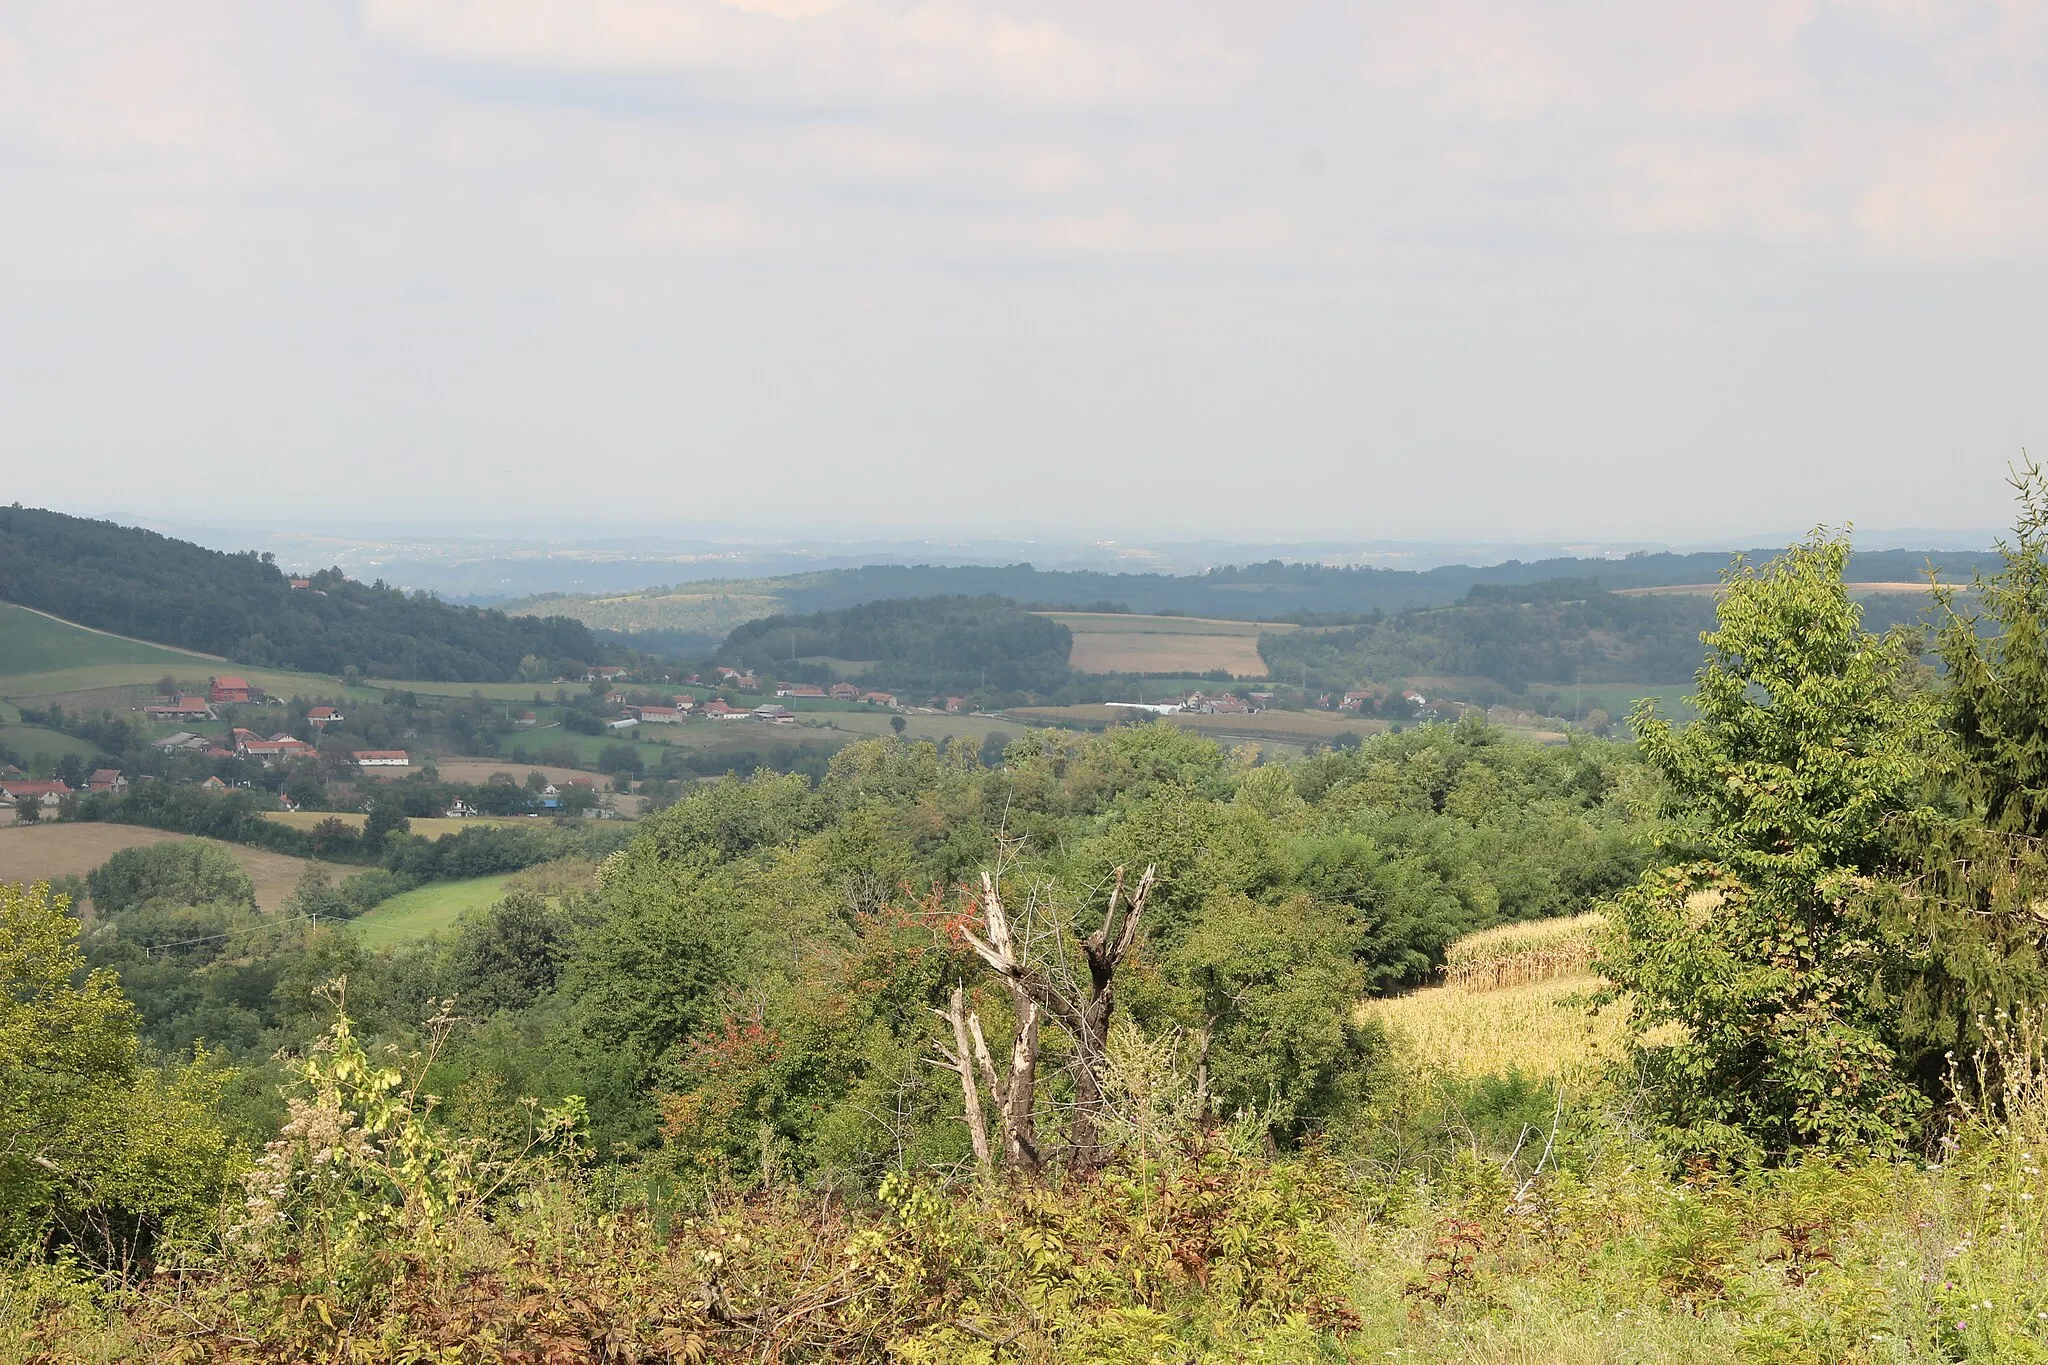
<point>1520,954</point>
<point>1544,1030</point>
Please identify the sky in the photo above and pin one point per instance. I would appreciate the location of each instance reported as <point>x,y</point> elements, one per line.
<point>1141,270</point>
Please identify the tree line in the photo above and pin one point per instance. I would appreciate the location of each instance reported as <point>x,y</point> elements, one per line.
<point>135,582</point>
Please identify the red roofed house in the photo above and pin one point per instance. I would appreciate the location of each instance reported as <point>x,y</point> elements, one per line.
<point>718,710</point>
<point>878,698</point>
<point>301,584</point>
<point>44,793</point>
<point>230,688</point>
<point>107,780</point>
<point>320,715</point>
<point>955,705</point>
<point>277,746</point>
<point>526,718</point>
<point>182,708</point>
<point>381,758</point>
<point>660,715</point>
<point>845,692</point>
<point>213,784</point>
<point>686,704</point>
<point>799,690</point>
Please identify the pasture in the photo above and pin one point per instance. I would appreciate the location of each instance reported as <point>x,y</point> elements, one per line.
<point>425,910</point>
<point>43,658</point>
<point>32,642</point>
<point>1119,642</point>
<point>35,852</point>
<point>32,741</point>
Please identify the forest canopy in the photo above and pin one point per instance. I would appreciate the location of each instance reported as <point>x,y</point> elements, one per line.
<point>919,645</point>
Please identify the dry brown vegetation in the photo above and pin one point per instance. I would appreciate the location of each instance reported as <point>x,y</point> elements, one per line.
<point>1520,954</point>
<point>30,853</point>
<point>1121,642</point>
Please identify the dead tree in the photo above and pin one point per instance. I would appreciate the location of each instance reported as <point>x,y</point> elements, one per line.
<point>1084,1017</point>
<point>960,1059</point>
<point>1015,1091</point>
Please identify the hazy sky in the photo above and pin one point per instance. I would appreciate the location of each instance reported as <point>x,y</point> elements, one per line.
<point>1455,268</point>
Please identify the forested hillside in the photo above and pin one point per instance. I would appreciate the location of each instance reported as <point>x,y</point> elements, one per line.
<point>1272,591</point>
<point>934,645</point>
<point>136,582</point>
<point>1085,1051</point>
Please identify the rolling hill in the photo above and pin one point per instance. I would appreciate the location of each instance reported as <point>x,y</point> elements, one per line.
<point>702,612</point>
<point>242,607</point>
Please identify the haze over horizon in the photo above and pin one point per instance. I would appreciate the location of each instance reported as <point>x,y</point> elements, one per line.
<point>1472,272</point>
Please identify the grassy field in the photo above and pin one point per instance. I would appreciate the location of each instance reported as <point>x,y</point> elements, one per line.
<point>712,613</point>
<point>31,642</point>
<point>426,910</point>
<point>30,740</point>
<point>1285,727</point>
<point>1119,642</point>
<point>505,692</point>
<point>33,852</point>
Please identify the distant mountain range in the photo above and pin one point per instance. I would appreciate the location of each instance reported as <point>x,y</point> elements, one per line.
<point>460,564</point>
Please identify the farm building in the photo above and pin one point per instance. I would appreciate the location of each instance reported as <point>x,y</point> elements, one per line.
<point>320,715</point>
<point>774,714</point>
<point>42,793</point>
<point>878,698</point>
<point>799,690</point>
<point>662,715</point>
<point>181,708</point>
<point>106,780</point>
<point>213,784</point>
<point>622,723</point>
<point>381,758</point>
<point>845,692</point>
<point>526,718</point>
<point>228,688</point>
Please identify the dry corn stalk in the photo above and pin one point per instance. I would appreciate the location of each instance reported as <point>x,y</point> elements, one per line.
<point>1518,954</point>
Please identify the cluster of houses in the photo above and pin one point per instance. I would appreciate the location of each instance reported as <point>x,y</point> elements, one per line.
<point>1359,699</point>
<point>15,788</point>
<point>681,707</point>
<point>274,748</point>
<point>1198,703</point>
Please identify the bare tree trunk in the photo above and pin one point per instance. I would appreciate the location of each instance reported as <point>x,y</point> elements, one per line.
<point>961,1061</point>
<point>1086,1020</point>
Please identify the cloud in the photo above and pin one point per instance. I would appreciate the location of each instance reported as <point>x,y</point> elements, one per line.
<point>1888,128</point>
<point>808,51</point>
